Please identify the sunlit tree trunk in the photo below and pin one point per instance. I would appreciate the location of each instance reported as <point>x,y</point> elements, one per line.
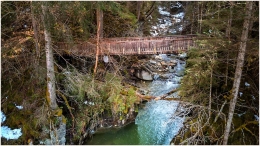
<point>238,73</point>
<point>51,95</point>
<point>99,33</point>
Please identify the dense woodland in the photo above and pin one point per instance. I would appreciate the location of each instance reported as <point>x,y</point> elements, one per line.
<point>220,86</point>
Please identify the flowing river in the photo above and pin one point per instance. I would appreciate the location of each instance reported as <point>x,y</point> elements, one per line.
<point>155,123</point>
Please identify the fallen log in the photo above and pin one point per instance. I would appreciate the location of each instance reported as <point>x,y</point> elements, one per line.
<point>149,97</point>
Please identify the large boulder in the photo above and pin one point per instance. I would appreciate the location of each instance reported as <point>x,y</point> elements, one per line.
<point>144,75</point>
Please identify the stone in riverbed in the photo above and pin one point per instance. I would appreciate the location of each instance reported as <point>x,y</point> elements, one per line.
<point>144,75</point>
<point>153,62</point>
<point>164,63</point>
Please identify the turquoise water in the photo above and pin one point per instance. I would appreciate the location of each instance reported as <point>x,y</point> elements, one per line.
<point>127,135</point>
<point>155,124</point>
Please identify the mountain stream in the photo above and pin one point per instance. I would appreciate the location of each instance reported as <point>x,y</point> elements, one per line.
<point>155,123</point>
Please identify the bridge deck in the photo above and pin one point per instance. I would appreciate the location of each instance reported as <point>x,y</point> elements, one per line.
<point>130,46</point>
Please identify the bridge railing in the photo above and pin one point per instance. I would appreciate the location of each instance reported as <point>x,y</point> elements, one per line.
<point>130,46</point>
<point>146,46</point>
<point>147,38</point>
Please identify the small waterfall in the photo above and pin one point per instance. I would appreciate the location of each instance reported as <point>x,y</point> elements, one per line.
<point>156,123</point>
<point>156,76</point>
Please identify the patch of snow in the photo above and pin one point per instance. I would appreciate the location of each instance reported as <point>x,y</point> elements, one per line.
<point>240,94</point>
<point>256,117</point>
<point>89,103</point>
<point>3,117</point>
<point>247,84</point>
<point>241,114</point>
<point>19,107</point>
<point>253,97</point>
<point>6,132</point>
<point>105,59</point>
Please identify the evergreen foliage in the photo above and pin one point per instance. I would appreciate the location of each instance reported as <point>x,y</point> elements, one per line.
<point>216,51</point>
<point>85,101</point>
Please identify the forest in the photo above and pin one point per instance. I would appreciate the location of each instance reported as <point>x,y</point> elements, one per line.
<point>56,99</point>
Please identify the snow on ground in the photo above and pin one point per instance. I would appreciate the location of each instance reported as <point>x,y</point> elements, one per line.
<point>89,103</point>
<point>240,94</point>
<point>3,117</point>
<point>18,106</point>
<point>256,117</point>
<point>6,132</point>
<point>253,97</point>
<point>247,84</point>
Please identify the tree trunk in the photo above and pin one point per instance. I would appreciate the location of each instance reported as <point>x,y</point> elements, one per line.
<point>99,34</point>
<point>128,4</point>
<point>139,6</point>
<point>100,22</point>
<point>150,11</point>
<point>238,73</point>
<point>201,16</point>
<point>228,31</point>
<point>198,17</point>
<point>192,20</point>
<point>51,90</point>
<point>36,39</point>
<point>210,86</point>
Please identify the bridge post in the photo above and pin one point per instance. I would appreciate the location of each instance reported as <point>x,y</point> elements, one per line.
<point>123,50</point>
<point>108,48</point>
<point>178,47</point>
<point>154,47</point>
<point>188,45</point>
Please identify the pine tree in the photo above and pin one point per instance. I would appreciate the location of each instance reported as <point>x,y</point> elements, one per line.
<point>239,67</point>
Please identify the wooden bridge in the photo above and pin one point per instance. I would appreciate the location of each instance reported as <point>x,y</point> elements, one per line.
<point>130,46</point>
